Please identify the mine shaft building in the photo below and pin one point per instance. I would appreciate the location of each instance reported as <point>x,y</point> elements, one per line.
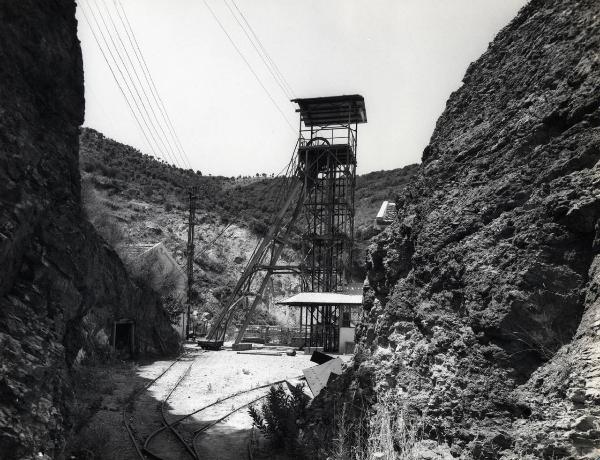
<point>326,319</point>
<point>386,215</point>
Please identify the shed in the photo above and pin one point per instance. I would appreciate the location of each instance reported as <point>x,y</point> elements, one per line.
<point>326,319</point>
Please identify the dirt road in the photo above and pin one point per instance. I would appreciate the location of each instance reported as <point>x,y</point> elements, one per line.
<point>203,378</point>
<point>215,375</point>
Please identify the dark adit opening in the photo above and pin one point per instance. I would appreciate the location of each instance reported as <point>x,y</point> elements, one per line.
<point>123,337</point>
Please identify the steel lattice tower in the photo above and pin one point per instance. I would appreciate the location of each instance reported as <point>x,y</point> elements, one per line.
<point>321,189</point>
<point>327,165</point>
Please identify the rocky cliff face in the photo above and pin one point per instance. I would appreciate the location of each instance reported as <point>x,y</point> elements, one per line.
<point>61,286</point>
<point>483,299</point>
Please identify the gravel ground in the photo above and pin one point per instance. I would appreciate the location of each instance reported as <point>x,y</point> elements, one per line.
<point>213,376</point>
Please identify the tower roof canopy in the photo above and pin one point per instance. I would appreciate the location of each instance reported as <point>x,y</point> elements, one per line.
<point>332,110</point>
<point>322,298</point>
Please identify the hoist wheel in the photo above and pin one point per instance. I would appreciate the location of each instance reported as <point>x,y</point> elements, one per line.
<point>318,141</point>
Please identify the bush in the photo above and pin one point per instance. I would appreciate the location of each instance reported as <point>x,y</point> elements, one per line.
<point>174,307</point>
<point>91,443</point>
<point>109,229</point>
<point>258,227</point>
<point>148,191</point>
<point>110,172</point>
<point>279,416</point>
<point>91,166</point>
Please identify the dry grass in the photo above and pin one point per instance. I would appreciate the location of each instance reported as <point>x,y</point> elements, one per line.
<point>91,443</point>
<point>385,432</point>
<point>93,385</point>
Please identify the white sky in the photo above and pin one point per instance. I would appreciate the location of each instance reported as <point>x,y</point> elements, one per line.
<point>404,56</point>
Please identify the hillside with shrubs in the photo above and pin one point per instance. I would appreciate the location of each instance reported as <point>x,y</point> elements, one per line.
<point>247,200</point>
<point>136,201</point>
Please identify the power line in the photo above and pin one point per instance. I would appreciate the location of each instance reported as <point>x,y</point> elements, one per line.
<point>164,140</point>
<point>271,70</point>
<point>136,95</point>
<point>154,131</point>
<point>133,90</point>
<point>128,81</point>
<point>150,81</point>
<point>274,66</point>
<point>110,66</point>
<point>166,145</point>
<point>248,65</point>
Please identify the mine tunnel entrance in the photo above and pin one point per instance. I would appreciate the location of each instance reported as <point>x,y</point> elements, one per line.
<point>123,336</point>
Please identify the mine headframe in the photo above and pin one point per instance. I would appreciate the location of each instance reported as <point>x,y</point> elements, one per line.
<point>321,188</point>
<point>327,162</point>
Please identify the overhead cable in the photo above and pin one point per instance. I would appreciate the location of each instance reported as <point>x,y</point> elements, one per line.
<point>139,91</point>
<point>165,141</point>
<point>249,66</point>
<point>148,76</point>
<point>290,91</point>
<point>111,66</point>
<point>125,76</point>
<point>148,111</point>
<point>264,59</point>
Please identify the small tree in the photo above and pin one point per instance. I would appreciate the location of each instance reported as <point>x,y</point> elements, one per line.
<point>278,418</point>
<point>174,307</point>
<point>146,272</point>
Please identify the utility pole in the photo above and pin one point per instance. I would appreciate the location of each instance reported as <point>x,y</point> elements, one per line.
<point>192,195</point>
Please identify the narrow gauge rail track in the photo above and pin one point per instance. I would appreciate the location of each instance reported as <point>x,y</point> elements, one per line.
<point>204,428</point>
<point>144,453</point>
<point>229,413</point>
<point>220,401</point>
<point>166,423</point>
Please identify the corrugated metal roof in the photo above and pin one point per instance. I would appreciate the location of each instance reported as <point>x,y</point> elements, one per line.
<point>323,111</point>
<point>322,298</point>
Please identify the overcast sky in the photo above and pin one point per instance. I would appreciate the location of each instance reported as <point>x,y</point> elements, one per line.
<point>404,56</point>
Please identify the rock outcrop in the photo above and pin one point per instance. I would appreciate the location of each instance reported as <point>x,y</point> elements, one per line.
<point>61,285</point>
<point>483,300</point>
